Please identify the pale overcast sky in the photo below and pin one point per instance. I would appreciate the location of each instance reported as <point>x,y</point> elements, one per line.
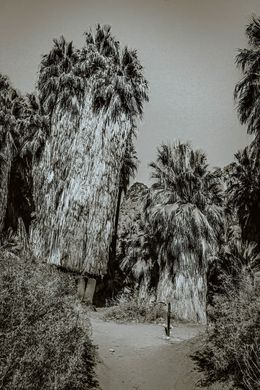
<point>187,47</point>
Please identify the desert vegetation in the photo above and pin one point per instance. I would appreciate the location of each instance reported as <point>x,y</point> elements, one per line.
<point>231,350</point>
<point>65,160</point>
<point>69,214</point>
<point>201,226</point>
<point>44,331</point>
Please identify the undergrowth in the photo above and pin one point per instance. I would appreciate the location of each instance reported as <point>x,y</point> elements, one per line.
<point>231,351</point>
<point>44,335</point>
<point>133,309</point>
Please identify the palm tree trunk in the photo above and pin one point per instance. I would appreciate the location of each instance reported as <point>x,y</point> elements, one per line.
<point>76,186</point>
<point>114,239</point>
<point>5,169</point>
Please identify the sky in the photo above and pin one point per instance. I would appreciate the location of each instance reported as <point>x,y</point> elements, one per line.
<point>187,48</point>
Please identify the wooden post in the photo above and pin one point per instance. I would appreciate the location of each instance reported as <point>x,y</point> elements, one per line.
<point>169,320</point>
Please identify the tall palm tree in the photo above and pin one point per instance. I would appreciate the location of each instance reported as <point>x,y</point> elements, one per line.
<point>138,269</point>
<point>77,179</point>
<point>244,193</point>
<point>185,214</point>
<point>23,130</point>
<point>11,111</point>
<point>109,285</point>
<point>128,171</point>
<point>33,129</point>
<point>247,90</point>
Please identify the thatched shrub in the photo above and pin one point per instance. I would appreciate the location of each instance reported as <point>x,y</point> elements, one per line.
<point>44,335</point>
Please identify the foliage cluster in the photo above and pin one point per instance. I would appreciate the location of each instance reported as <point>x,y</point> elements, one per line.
<point>231,351</point>
<point>44,334</point>
<point>232,346</point>
<point>129,307</point>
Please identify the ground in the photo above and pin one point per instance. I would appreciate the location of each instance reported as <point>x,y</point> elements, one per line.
<point>139,357</point>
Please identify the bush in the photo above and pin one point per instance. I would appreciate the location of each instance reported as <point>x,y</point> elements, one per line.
<point>232,347</point>
<point>132,308</point>
<point>44,334</point>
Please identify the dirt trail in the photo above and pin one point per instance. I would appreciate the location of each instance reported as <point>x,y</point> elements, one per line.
<point>139,357</point>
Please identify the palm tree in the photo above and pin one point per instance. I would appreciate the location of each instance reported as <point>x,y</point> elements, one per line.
<point>244,193</point>
<point>23,130</point>
<point>185,214</point>
<point>128,171</point>
<point>247,90</point>
<point>33,129</point>
<point>11,110</point>
<point>135,260</point>
<point>59,83</point>
<point>122,90</point>
<point>77,179</point>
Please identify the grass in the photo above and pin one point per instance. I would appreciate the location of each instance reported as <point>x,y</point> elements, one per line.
<point>44,332</point>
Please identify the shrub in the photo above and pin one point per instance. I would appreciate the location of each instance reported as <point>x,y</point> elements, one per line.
<point>44,334</point>
<point>232,347</point>
<point>132,308</point>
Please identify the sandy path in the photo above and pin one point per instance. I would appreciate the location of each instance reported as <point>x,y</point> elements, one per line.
<point>143,359</point>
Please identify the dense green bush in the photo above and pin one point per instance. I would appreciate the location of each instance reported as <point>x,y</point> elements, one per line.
<point>232,347</point>
<point>44,333</point>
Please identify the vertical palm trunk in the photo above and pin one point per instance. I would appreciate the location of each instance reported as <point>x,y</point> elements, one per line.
<point>5,169</point>
<point>76,189</point>
<point>114,238</point>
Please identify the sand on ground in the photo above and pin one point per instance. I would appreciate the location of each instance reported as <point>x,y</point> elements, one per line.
<point>139,357</point>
